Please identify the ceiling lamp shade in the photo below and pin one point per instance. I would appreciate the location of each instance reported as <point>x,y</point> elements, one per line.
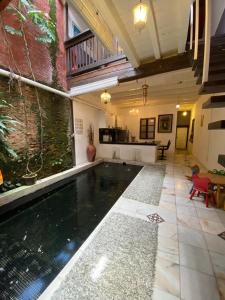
<point>105,97</point>
<point>177,106</point>
<point>140,15</point>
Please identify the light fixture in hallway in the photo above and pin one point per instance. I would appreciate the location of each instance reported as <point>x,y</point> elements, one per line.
<point>184,114</point>
<point>140,15</point>
<point>105,97</point>
<point>145,93</point>
<point>177,106</point>
<point>134,111</point>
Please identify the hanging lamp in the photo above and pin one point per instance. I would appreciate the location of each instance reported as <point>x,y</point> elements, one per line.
<point>105,97</point>
<point>145,93</point>
<point>140,15</point>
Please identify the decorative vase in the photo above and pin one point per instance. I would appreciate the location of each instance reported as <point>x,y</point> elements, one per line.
<point>91,152</point>
<point>29,179</point>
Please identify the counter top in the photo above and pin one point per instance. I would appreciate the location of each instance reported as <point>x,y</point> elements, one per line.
<point>130,143</point>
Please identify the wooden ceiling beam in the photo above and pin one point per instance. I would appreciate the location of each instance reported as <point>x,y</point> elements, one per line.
<point>165,65</point>
<point>152,27</point>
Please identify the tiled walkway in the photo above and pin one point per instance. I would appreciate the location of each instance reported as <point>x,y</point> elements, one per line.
<point>190,261</point>
<point>191,255</point>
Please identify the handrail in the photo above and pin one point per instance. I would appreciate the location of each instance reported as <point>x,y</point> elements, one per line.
<point>83,36</point>
<point>86,52</point>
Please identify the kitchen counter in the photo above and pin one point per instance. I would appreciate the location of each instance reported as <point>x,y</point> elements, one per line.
<point>132,143</point>
<point>142,152</point>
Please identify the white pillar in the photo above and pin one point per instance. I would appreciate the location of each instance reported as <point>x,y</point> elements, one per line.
<point>191,27</point>
<point>196,29</point>
<point>208,13</point>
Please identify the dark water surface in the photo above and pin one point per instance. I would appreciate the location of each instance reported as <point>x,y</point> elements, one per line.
<point>37,242</point>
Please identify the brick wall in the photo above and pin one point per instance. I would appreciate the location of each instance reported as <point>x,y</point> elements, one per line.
<point>56,128</point>
<point>41,55</point>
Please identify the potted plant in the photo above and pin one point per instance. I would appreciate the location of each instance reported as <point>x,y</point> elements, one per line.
<point>91,150</point>
<point>29,179</point>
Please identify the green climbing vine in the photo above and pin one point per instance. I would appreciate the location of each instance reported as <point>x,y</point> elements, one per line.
<point>23,12</point>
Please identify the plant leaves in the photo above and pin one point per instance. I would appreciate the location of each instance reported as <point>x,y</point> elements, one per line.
<point>43,39</point>
<point>12,30</point>
<point>25,3</point>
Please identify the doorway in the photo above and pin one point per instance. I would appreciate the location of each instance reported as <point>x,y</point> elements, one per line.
<point>182,132</point>
<point>182,138</point>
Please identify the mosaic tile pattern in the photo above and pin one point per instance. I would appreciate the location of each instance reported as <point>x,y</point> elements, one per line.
<point>147,186</point>
<point>222,235</point>
<point>118,264</point>
<point>155,218</point>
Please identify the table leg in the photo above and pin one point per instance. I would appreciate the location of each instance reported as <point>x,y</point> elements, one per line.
<point>218,196</point>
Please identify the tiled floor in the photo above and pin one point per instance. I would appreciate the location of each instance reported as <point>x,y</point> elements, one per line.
<point>195,266</point>
<point>191,256</point>
<point>190,261</point>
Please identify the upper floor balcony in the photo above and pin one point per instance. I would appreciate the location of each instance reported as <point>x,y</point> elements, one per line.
<point>85,53</point>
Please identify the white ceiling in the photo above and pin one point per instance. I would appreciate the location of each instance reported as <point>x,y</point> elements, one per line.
<point>173,87</point>
<point>165,33</point>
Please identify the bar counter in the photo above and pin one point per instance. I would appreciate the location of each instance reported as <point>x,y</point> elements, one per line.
<point>131,143</point>
<point>137,151</point>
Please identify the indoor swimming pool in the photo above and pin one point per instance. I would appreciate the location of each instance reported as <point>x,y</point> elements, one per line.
<point>37,240</point>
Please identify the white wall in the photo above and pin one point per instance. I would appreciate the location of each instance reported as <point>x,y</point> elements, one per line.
<point>74,17</point>
<point>133,122</point>
<point>218,7</point>
<point>208,144</point>
<point>89,116</point>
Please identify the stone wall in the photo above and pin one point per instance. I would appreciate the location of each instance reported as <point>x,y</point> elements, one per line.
<point>56,112</point>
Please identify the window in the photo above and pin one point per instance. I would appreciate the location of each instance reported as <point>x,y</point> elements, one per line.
<point>75,29</point>
<point>147,128</point>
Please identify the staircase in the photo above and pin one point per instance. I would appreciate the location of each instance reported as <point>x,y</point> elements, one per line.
<point>216,80</point>
<point>216,102</point>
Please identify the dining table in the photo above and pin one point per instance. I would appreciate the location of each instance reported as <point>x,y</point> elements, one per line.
<point>219,181</point>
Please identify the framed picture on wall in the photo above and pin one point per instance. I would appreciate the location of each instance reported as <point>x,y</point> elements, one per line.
<point>165,123</point>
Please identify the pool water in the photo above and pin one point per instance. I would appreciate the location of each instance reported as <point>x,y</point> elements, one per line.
<point>37,242</point>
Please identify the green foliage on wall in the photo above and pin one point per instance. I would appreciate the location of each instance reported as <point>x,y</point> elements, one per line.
<point>57,125</point>
<point>53,48</point>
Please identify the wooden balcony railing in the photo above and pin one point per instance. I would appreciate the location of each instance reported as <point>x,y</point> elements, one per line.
<point>86,52</point>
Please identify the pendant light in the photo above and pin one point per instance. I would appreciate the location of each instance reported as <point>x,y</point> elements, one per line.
<point>145,93</point>
<point>105,97</point>
<point>140,15</point>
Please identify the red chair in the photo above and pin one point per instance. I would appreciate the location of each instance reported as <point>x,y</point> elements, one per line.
<point>201,186</point>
